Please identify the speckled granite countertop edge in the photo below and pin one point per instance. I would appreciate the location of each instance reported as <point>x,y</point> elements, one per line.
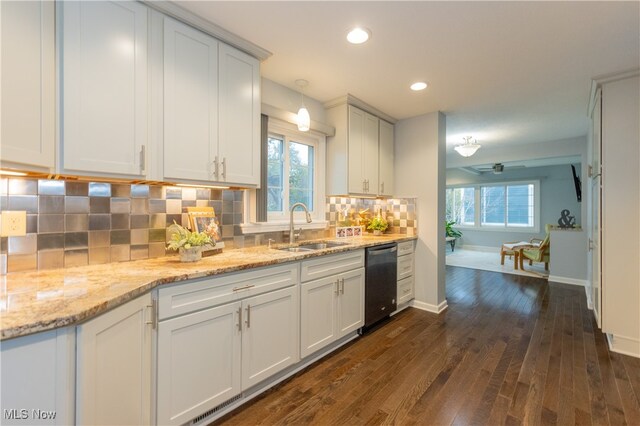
<point>33,302</point>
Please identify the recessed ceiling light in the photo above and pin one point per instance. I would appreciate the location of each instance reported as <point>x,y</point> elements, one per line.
<point>420,85</point>
<point>358,35</point>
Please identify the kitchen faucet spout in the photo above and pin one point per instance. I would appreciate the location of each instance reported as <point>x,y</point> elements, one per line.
<point>292,235</point>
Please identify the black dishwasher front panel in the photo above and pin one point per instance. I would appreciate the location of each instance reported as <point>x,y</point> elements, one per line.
<point>381,276</point>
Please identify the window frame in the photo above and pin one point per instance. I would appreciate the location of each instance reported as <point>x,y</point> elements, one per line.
<point>287,137</point>
<point>478,226</point>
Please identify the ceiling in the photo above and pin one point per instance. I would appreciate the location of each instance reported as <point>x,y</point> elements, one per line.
<point>521,164</point>
<point>503,72</point>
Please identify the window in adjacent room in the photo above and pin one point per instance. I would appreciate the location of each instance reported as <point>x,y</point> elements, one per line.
<point>513,205</point>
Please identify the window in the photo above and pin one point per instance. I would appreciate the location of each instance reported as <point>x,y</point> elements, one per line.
<point>461,205</point>
<point>494,206</point>
<point>292,176</point>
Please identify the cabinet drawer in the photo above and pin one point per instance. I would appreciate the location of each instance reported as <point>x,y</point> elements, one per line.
<point>405,266</point>
<point>405,248</point>
<point>330,265</point>
<point>199,294</point>
<point>405,290</point>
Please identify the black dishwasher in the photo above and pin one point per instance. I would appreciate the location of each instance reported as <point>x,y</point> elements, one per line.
<point>381,277</point>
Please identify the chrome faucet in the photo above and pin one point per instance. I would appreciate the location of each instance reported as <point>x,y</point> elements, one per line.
<point>292,235</point>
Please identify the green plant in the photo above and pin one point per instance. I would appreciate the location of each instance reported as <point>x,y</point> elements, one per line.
<point>450,231</point>
<point>378,223</point>
<point>183,238</point>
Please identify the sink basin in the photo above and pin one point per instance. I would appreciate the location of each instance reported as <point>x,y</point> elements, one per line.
<point>295,249</point>
<point>310,247</point>
<point>320,246</point>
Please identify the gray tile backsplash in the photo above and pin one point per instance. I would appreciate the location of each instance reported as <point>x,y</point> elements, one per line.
<point>72,223</point>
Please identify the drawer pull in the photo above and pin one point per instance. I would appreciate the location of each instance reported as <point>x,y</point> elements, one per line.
<point>244,287</point>
<point>240,318</point>
<point>248,316</point>
<point>407,290</point>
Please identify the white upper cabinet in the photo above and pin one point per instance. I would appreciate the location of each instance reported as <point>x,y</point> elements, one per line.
<point>190,102</point>
<point>360,155</point>
<point>386,158</point>
<point>28,84</point>
<point>239,117</point>
<point>211,109</point>
<point>104,80</point>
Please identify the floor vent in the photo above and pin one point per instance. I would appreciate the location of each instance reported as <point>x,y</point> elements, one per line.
<point>214,410</point>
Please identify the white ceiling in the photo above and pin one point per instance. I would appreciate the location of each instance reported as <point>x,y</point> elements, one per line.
<point>503,72</point>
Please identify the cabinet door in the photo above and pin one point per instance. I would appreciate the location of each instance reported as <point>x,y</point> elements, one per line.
<point>370,153</point>
<point>114,367</point>
<point>105,87</point>
<point>198,362</point>
<point>317,314</point>
<point>239,146</point>
<point>356,137</point>
<point>271,338</point>
<point>190,102</point>
<point>350,302</point>
<point>386,156</point>
<point>28,83</point>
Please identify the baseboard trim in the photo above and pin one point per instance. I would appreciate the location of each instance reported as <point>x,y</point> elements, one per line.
<point>567,280</point>
<point>587,292</point>
<point>481,248</point>
<point>624,345</point>
<point>436,309</point>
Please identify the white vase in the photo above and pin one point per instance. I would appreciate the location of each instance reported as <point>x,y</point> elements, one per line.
<point>377,232</point>
<point>192,254</point>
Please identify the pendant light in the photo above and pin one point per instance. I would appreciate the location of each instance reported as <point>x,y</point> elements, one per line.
<point>468,148</point>
<point>303,119</point>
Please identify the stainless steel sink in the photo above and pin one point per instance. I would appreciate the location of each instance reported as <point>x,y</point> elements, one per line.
<point>295,249</point>
<point>304,247</point>
<point>320,246</point>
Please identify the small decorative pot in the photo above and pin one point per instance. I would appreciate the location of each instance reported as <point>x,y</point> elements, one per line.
<point>192,254</point>
<point>377,232</point>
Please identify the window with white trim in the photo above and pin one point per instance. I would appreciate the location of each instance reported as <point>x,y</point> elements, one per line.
<point>508,206</point>
<point>293,160</point>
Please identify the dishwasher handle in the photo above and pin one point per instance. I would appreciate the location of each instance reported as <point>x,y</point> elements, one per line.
<point>384,250</point>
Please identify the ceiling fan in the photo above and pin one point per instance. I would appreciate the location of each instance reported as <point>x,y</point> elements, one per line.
<point>497,168</point>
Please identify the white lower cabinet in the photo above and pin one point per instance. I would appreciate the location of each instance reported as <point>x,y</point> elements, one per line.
<point>113,382</point>
<point>406,280</point>
<point>210,355</point>
<point>198,362</point>
<point>331,307</point>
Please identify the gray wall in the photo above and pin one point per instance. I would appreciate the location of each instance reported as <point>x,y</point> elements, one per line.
<point>557,192</point>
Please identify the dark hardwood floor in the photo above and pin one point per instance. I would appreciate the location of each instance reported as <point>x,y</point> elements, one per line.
<point>508,350</point>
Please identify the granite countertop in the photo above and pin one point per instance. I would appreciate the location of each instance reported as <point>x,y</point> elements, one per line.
<point>32,302</point>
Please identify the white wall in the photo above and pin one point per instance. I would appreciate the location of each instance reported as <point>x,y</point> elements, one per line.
<point>286,99</point>
<point>621,213</point>
<point>568,257</point>
<point>420,163</point>
<point>557,192</point>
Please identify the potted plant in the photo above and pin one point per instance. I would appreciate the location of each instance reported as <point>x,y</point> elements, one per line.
<point>450,231</point>
<point>378,225</point>
<point>189,244</point>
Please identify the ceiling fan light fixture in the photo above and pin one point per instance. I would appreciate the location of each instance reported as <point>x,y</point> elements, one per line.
<point>358,35</point>
<point>468,148</point>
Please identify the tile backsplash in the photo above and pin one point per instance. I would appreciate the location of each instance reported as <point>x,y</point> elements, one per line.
<point>399,212</point>
<point>71,223</point>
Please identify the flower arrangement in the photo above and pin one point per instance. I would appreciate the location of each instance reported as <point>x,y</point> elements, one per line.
<point>188,243</point>
<point>378,225</point>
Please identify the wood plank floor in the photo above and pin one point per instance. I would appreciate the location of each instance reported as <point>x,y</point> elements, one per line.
<point>508,350</point>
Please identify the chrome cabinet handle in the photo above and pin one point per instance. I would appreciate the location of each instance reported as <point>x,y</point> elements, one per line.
<point>153,307</point>
<point>143,159</point>
<point>337,283</point>
<point>382,188</point>
<point>248,322</point>
<point>240,318</point>
<point>245,287</point>
<point>224,168</point>
<point>216,167</point>
<point>364,185</point>
<point>341,285</point>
